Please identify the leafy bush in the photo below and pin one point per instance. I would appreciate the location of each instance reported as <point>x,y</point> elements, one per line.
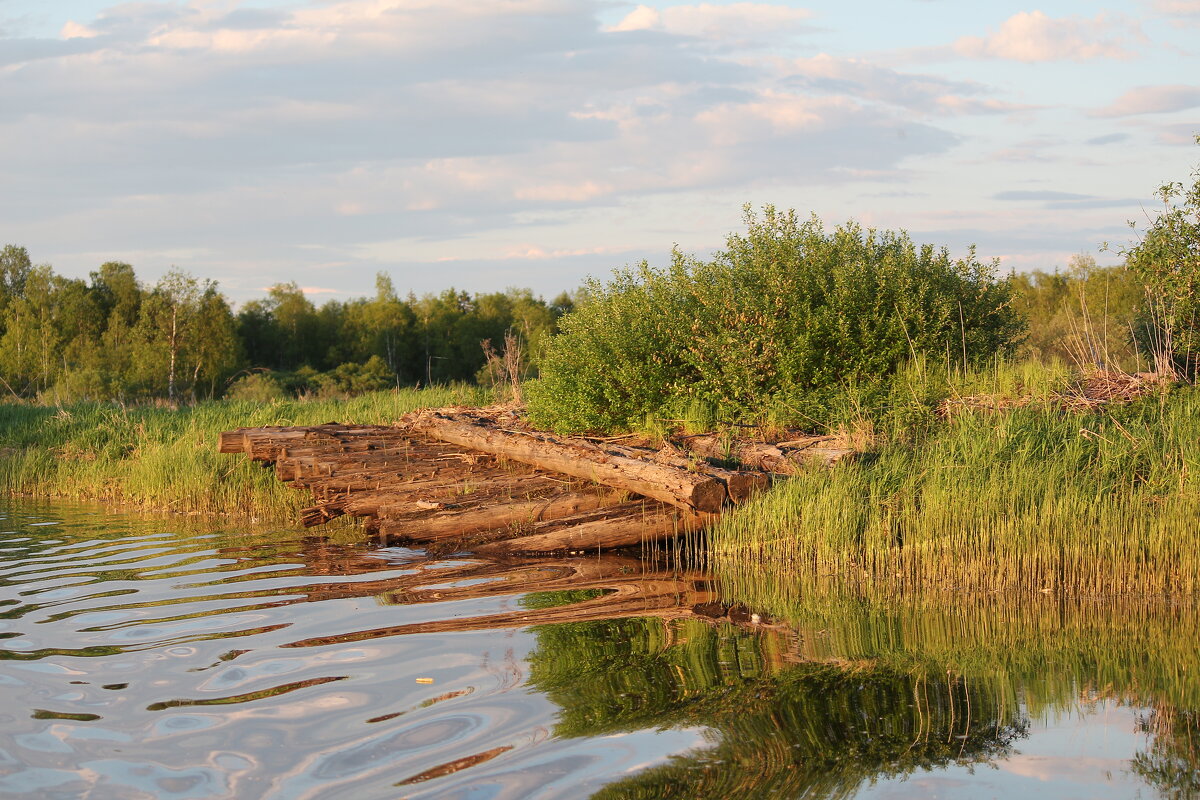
<point>783,321</point>
<point>1167,259</point>
<point>257,387</point>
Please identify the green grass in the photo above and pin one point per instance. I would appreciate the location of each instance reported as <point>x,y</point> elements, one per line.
<point>163,459</point>
<point>1030,499</point>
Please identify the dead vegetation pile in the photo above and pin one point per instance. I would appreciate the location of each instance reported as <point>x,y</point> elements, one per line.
<point>1091,392</point>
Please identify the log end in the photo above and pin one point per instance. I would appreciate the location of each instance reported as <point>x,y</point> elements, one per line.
<point>231,442</point>
<point>708,495</point>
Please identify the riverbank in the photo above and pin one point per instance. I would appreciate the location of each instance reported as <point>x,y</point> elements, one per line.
<point>971,486</point>
<point>1041,498</point>
<point>162,459</point>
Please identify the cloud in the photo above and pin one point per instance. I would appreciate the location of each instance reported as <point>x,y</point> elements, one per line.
<point>1176,8</point>
<point>739,22</point>
<point>1032,36</point>
<point>1152,100</point>
<point>1039,195</point>
<point>928,94</point>
<point>73,30</point>
<point>1110,138</point>
<point>1065,201</point>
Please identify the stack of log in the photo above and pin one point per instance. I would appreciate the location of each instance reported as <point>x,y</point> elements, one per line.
<point>471,479</point>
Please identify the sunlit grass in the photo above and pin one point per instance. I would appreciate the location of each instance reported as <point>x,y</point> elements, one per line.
<point>163,459</point>
<point>1029,498</point>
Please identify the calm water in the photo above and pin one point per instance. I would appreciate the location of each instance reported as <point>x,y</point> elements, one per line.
<point>143,659</point>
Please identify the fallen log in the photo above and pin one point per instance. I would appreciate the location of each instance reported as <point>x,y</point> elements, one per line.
<point>625,530</point>
<point>455,524</point>
<point>785,458</point>
<point>669,484</point>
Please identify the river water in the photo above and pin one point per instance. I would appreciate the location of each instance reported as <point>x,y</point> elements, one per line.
<point>145,658</point>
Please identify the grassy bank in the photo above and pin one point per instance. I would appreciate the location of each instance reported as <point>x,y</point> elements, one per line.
<point>163,459</point>
<point>1033,498</point>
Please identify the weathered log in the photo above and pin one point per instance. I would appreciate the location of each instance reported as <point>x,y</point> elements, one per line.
<point>320,514</point>
<point>232,441</point>
<point>772,458</point>
<point>624,530</point>
<point>740,485</point>
<point>455,524</point>
<point>659,481</point>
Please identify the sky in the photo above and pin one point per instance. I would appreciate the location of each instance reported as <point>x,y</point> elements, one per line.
<point>490,144</point>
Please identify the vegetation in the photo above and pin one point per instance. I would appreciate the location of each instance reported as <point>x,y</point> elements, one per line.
<point>849,688</point>
<point>786,318</point>
<point>115,339</point>
<point>1030,497</point>
<point>1085,315</point>
<point>158,458</point>
<point>1167,259</point>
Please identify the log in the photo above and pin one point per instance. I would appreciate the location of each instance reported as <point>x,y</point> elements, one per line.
<point>739,485</point>
<point>454,524</point>
<point>602,534</point>
<point>660,481</point>
<point>772,458</point>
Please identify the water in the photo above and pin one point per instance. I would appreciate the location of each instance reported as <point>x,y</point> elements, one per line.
<point>143,658</point>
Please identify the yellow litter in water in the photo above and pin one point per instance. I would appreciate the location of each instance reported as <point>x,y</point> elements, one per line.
<point>424,680</point>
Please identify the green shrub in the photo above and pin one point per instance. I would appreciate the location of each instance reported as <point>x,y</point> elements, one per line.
<point>782,323</point>
<point>257,387</point>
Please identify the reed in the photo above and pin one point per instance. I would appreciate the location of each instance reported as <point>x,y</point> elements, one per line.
<point>157,458</point>
<point>1030,498</point>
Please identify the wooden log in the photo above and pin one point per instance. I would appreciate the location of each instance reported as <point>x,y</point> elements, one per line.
<point>320,514</point>
<point>739,485</point>
<point>232,441</point>
<point>772,458</point>
<point>659,481</point>
<point>602,534</point>
<point>454,524</point>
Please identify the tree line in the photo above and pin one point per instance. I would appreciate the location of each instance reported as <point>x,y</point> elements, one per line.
<point>114,338</point>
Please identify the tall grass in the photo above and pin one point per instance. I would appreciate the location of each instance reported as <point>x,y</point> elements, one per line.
<point>165,459</point>
<point>1030,498</point>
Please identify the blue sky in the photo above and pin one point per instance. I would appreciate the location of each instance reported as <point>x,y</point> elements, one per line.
<point>531,143</point>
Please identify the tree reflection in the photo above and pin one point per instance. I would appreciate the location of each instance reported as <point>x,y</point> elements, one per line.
<point>777,729</point>
<point>1172,761</point>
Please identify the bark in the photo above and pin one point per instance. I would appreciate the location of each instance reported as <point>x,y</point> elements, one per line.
<point>785,458</point>
<point>659,481</point>
<point>625,530</point>
<point>453,524</point>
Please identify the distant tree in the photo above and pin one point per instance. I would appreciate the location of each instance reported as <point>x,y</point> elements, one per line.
<point>50,315</point>
<point>1167,259</point>
<point>118,296</point>
<point>15,267</point>
<point>390,324</point>
<point>1085,314</point>
<point>186,335</point>
<point>215,352</point>
<point>296,322</point>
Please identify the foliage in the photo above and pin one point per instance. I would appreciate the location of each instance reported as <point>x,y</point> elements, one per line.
<point>1167,259</point>
<point>787,317</point>
<point>808,729</point>
<point>162,458</point>
<point>1085,315</point>
<point>1096,503</point>
<point>65,340</point>
<point>257,387</point>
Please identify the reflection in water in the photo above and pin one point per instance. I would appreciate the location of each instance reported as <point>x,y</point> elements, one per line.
<point>137,662</point>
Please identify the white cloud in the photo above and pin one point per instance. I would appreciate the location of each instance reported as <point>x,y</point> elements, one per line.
<point>1177,8</point>
<point>290,143</point>
<point>1031,36</point>
<point>73,30</point>
<point>1152,100</point>
<point>860,78</point>
<point>736,21</point>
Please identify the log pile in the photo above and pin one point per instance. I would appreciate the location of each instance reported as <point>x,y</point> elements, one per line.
<point>471,479</point>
